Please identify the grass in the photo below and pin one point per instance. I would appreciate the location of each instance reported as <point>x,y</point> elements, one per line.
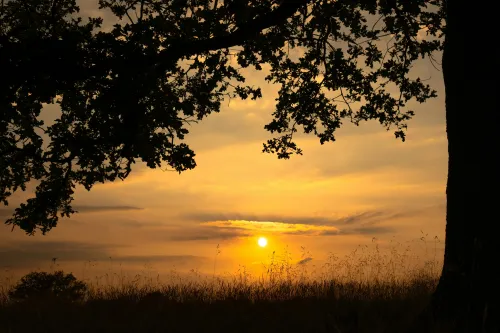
<point>366,291</point>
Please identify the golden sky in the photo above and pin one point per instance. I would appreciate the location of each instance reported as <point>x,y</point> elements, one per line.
<point>333,198</point>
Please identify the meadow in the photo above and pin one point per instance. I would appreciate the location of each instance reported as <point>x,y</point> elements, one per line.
<point>369,290</point>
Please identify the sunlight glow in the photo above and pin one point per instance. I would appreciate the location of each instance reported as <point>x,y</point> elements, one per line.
<point>262,242</point>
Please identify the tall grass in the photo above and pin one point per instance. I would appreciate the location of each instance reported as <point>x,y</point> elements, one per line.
<point>369,290</point>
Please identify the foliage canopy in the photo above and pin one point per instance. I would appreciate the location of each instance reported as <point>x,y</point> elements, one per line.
<point>129,93</point>
<point>42,284</point>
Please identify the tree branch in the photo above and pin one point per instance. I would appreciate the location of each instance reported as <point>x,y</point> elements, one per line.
<point>181,48</point>
<point>142,11</point>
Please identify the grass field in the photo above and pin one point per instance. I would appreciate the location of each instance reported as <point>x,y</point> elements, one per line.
<point>369,292</point>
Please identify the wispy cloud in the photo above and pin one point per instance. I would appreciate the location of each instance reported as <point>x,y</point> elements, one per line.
<point>362,217</point>
<point>7,213</point>
<point>165,259</point>
<point>364,230</point>
<point>201,233</point>
<point>31,253</point>
<point>139,224</point>
<point>92,209</point>
<point>372,156</point>
<point>366,217</point>
<point>239,225</point>
<point>271,227</point>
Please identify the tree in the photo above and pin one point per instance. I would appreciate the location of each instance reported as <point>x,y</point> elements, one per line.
<point>39,285</point>
<point>467,296</point>
<point>129,94</point>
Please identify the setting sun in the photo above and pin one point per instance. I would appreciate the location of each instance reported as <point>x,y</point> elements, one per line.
<point>262,242</point>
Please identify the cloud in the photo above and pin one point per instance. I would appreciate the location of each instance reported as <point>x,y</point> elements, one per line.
<point>201,233</point>
<point>30,253</point>
<point>310,232</point>
<point>234,229</point>
<point>92,209</point>
<point>424,151</point>
<point>360,217</point>
<point>138,224</point>
<point>251,227</point>
<point>241,225</point>
<point>270,227</point>
<point>330,233</point>
<point>207,217</point>
<point>366,230</point>
<point>356,218</point>
<point>165,259</point>
<point>7,213</point>
<point>232,126</point>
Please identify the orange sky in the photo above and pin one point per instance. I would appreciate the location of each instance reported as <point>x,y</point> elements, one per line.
<point>336,196</point>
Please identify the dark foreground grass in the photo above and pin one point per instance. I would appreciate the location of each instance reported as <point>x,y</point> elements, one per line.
<point>283,307</point>
<point>282,302</point>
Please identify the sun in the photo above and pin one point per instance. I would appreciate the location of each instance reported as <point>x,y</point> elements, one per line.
<point>262,242</point>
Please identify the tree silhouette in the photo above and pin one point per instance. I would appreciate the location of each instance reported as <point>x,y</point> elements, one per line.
<point>129,94</point>
<point>467,296</point>
<point>40,285</point>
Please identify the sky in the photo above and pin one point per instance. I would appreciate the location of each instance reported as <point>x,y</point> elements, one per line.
<point>366,187</point>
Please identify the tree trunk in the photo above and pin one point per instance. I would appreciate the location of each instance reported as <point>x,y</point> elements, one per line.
<point>467,296</point>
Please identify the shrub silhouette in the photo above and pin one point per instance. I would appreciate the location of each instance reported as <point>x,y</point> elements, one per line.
<point>46,285</point>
